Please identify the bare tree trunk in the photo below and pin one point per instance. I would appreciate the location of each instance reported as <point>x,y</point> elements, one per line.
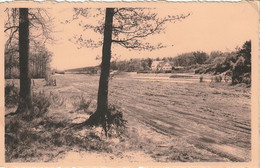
<point>37,66</point>
<point>102,102</point>
<point>10,66</point>
<point>25,103</point>
<point>32,69</point>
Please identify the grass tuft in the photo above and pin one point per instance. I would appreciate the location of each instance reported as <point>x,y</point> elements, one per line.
<point>82,104</point>
<point>41,102</point>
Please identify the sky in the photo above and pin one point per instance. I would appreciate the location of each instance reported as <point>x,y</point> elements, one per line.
<point>210,27</point>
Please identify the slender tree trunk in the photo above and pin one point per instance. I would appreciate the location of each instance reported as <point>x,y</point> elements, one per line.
<point>102,101</point>
<point>25,81</point>
<point>32,69</point>
<point>10,66</point>
<point>36,66</point>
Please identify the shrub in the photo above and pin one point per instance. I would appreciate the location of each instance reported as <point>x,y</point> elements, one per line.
<point>11,95</point>
<point>241,66</point>
<point>56,100</point>
<point>50,81</point>
<point>115,122</point>
<point>41,102</point>
<point>246,78</point>
<point>82,104</point>
<point>201,78</point>
<point>239,71</point>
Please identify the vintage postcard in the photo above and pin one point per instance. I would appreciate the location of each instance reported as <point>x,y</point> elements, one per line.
<point>140,84</point>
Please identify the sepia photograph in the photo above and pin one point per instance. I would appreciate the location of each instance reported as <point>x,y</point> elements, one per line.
<point>130,83</point>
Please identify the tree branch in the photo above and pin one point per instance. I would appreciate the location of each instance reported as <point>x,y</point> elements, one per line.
<point>11,28</point>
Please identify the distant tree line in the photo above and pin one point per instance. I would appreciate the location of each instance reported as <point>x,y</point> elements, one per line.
<point>236,64</point>
<point>190,58</point>
<point>137,64</point>
<point>39,62</point>
<point>39,56</point>
<point>132,65</point>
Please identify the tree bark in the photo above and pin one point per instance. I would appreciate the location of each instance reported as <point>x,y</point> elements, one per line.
<point>10,66</point>
<point>102,101</point>
<point>25,103</point>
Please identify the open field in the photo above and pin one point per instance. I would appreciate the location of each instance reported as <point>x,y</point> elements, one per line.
<point>169,119</point>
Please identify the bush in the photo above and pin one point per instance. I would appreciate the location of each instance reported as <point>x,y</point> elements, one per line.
<point>56,100</point>
<point>11,95</point>
<point>241,72</point>
<point>82,104</point>
<point>41,102</point>
<point>115,122</point>
<point>246,78</point>
<point>201,78</point>
<point>40,105</point>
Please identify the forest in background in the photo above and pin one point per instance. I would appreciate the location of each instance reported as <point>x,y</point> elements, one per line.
<point>39,56</point>
<point>39,61</point>
<point>235,64</point>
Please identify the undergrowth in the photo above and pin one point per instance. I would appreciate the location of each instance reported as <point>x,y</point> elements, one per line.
<point>82,104</point>
<point>42,137</point>
<point>116,123</point>
<point>11,95</point>
<point>41,103</point>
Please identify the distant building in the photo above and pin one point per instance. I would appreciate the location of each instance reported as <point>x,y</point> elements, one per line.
<point>166,66</point>
<point>161,66</point>
<point>155,64</point>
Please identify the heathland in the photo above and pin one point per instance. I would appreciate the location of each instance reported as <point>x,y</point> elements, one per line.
<point>168,120</point>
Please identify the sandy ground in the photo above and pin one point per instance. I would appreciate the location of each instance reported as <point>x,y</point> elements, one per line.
<point>169,119</point>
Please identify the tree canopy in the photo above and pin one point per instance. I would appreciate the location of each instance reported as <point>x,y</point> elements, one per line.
<point>130,27</point>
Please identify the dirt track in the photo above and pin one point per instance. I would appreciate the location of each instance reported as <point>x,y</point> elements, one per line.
<point>215,119</point>
<point>210,117</point>
<point>198,121</point>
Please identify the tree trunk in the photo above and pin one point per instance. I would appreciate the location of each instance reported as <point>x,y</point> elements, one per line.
<point>10,66</point>
<point>102,101</point>
<point>32,69</point>
<point>25,103</point>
